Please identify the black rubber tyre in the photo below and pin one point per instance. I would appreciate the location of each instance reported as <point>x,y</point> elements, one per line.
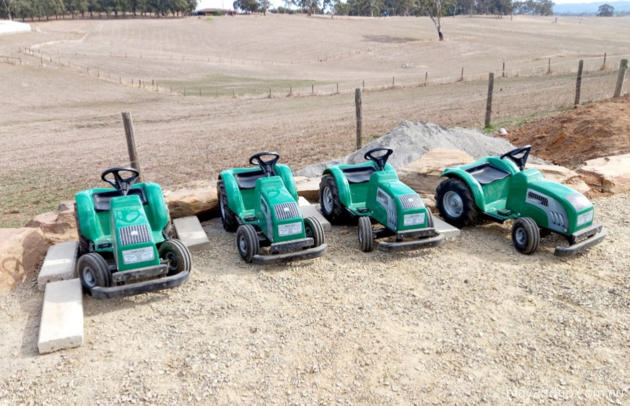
<point>177,255</point>
<point>429,218</point>
<point>314,229</point>
<point>247,242</point>
<point>84,243</point>
<point>331,206</point>
<point>525,235</point>
<point>366,234</point>
<point>455,203</point>
<point>93,271</point>
<point>228,218</point>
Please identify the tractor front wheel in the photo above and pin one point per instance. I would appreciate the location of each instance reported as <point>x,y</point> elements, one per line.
<point>314,230</point>
<point>366,234</point>
<point>177,255</point>
<point>525,235</point>
<point>93,271</point>
<point>331,205</point>
<point>228,218</point>
<point>247,242</point>
<point>455,203</point>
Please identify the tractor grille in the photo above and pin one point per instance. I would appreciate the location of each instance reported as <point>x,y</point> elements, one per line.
<point>286,211</point>
<point>134,234</point>
<point>410,201</point>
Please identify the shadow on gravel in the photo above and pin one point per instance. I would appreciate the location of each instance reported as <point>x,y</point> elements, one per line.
<point>32,307</point>
<point>92,307</point>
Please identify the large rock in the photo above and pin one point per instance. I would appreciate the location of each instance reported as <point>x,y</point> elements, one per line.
<point>562,175</point>
<point>423,174</point>
<point>57,226</point>
<point>21,251</point>
<point>609,174</point>
<point>192,201</point>
<point>308,187</point>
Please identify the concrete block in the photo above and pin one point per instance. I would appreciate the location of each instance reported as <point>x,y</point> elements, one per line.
<point>61,326</point>
<point>59,264</point>
<point>444,228</point>
<point>189,231</point>
<point>312,210</point>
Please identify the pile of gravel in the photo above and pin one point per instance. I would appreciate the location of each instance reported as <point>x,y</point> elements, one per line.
<point>411,139</point>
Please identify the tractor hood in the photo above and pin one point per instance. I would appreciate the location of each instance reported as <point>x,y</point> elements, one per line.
<point>281,216</point>
<point>133,241</point>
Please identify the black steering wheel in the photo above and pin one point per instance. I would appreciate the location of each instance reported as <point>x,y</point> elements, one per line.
<point>379,159</point>
<point>268,165</point>
<point>118,182</point>
<point>518,156</point>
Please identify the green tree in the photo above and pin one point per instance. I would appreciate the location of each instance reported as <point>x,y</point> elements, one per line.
<point>605,10</point>
<point>246,5</point>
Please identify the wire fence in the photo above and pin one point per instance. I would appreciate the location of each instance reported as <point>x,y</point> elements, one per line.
<point>542,67</point>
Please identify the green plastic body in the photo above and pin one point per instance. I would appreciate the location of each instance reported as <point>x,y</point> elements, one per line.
<point>382,198</point>
<point>256,206</point>
<point>102,228</point>
<point>526,193</point>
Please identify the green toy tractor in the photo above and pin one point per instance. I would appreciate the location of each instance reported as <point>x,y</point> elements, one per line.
<point>260,204</point>
<point>124,248</point>
<point>499,188</point>
<point>372,191</point>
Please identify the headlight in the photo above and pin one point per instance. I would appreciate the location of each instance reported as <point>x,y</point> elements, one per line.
<point>413,219</point>
<point>289,229</point>
<point>138,255</point>
<point>585,218</point>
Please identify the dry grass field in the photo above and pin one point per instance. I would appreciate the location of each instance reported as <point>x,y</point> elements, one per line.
<point>60,124</point>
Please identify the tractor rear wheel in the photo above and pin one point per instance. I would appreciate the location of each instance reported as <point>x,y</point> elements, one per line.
<point>525,235</point>
<point>177,255</point>
<point>331,205</point>
<point>247,242</point>
<point>93,271</point>
<point>314,230</point>
<point>366,234</point>
<point>456,203</point>
<point>228,218</point>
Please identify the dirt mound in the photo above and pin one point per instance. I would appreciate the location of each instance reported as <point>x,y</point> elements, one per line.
<point>411,139</point>
<point>591,131</point>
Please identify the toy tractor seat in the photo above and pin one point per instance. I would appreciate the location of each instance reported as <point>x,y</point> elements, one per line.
<point>102,200</point>
<point>247,180</point>
<point>359,174</point>
<point>487,173</point>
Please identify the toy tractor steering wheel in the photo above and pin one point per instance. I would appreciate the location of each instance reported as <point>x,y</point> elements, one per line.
<point>381,159</point>
<point>267,166</point>
<point>118,182</point>
<point>518,156</point>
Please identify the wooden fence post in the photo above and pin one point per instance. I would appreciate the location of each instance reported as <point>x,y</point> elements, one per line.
<point>604,63</point>
<point>623,65</point>
<point>337,87</point>
<point>312,88</point>
<point>549,66</point>
<point>426,77</point>
<point>578,83</point>
<point>461,77</point>
<point>269,93</point>
<point>357,102</point>
<point>489,101</point>
<point>131,143</point>
<point>503,74</point>
<point>393,81</point>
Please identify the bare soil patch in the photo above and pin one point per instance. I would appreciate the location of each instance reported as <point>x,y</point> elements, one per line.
<point>589,131</point>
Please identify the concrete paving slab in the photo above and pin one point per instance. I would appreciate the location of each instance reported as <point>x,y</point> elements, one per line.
<point>443,227</point>
<point>59,264</point>
<point>312,210</point>
<point>61,325</point>
<point>189,231</point>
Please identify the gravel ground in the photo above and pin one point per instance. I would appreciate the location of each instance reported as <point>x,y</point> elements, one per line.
<point>469,322</point>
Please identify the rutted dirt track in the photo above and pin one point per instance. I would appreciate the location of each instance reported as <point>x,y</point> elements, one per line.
<point>470,322</point>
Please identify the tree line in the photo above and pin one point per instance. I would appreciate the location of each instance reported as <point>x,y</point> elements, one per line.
<point>45,9</point>
<point>384,8</point>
